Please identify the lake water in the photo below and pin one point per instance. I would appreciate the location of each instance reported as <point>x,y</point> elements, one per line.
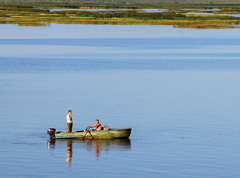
<point>177,88</point>
<point>203,11</point>
<point>96,10</point>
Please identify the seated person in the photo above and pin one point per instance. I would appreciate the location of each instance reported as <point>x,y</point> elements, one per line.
<point>97,125</point>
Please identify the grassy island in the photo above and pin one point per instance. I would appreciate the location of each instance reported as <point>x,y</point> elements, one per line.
<point>179,15</point>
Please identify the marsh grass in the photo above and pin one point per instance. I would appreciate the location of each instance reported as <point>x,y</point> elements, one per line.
<point>36,15</point>
<point>230,11</point>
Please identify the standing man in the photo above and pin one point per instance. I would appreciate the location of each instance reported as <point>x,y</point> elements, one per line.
<point>69,121</point>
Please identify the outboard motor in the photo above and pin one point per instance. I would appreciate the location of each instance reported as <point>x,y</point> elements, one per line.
<point>51,132</point>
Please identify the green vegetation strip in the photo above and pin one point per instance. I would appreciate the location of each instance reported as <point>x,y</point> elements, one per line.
<point>26,14</point>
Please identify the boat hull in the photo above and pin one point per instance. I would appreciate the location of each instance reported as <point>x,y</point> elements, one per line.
<point>102,134</point>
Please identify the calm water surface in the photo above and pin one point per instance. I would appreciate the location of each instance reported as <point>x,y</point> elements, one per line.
<point>96,10</point>
<point>177,88</point>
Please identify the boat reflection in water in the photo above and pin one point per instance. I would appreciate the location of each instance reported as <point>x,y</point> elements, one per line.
<point>93,146</point>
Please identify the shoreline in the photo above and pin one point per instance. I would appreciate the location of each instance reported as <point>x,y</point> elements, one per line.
<point>24,14</point>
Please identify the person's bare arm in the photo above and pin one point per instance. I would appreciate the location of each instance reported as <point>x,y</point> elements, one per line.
<point>96,125</point>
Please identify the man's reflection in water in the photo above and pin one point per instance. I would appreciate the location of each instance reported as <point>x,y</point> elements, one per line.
<point>94,147</point>
<point>98,146</point>
<point>98,149</point>
<point>69,153</point>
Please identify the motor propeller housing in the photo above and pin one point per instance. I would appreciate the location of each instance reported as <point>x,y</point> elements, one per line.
<point>51,133</point>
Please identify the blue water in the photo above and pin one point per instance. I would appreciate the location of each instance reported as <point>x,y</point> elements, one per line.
<point>204,11</point>
<point>95,10</point>
<point>177,88</point>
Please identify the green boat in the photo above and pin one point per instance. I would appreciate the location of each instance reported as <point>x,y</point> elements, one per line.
<point>91,134</point>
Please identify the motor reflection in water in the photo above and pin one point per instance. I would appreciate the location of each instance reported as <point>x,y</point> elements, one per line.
<point>92,146</point>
